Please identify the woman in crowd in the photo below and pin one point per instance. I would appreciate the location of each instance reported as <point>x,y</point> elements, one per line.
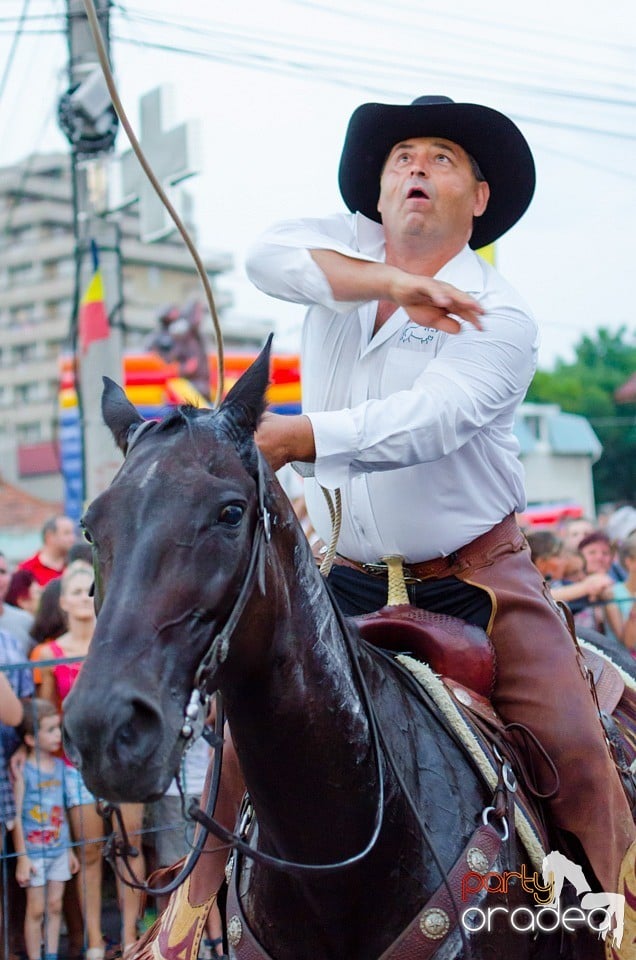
<point>49,622</point>
<point>54,683</point>
<point>552,560</point>
<point>625,595</point>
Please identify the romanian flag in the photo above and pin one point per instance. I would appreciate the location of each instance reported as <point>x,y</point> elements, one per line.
<point>93,319</point>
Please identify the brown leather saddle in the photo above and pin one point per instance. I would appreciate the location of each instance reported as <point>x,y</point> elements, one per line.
<point>463,657</point>
<point>451,647</point>
<point>462,652</point>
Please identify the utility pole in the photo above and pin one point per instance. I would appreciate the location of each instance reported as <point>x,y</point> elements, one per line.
<point>88,119</point>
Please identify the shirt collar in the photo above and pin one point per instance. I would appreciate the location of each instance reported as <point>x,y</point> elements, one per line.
<point>370,236</point>
<point>465,271</point>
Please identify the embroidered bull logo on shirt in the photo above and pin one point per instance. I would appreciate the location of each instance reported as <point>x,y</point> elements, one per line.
<point>414,333</point>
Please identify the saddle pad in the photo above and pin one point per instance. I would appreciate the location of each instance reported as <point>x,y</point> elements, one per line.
<point>608,681</point>
<point>458,720</point>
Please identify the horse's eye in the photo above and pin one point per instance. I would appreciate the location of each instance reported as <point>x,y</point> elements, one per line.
<point>231,515</point>
<point>87,535</point>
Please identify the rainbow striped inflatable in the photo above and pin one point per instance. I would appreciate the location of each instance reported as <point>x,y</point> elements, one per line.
<point>154,386</point>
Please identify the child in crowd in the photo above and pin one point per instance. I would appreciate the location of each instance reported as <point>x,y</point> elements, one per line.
<point>10,713</point>
<point>45,859</point>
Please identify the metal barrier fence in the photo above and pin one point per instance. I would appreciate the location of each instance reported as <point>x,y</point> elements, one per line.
<point>95,902</point>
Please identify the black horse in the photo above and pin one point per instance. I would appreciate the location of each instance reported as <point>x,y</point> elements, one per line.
<point>204,578</point>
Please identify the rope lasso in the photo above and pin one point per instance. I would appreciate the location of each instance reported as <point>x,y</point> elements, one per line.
<point>335,512</point>
<point>93,22</point>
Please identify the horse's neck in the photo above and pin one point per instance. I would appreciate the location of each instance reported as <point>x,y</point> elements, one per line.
<point>291,696</point>
<point>293,624</point>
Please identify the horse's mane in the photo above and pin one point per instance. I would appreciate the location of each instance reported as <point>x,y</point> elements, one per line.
<point>225,423</point>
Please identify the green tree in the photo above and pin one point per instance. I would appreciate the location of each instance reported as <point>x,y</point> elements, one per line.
<point>587,386</point>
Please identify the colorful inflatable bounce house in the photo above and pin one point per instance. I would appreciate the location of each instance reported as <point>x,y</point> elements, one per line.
<point>153,386</point>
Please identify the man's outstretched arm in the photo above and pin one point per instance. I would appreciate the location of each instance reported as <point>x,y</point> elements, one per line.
<point>427,301</point>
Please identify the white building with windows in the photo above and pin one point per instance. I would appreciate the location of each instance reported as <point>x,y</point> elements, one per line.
<point>558,451</point>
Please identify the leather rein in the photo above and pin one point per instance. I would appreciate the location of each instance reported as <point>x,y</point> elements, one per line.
<point>119,848</point>
<point>194,725</point>
<point>217,653</point>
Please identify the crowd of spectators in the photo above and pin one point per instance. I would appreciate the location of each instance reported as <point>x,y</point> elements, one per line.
<point>591,568</point>
<point>47,616</point>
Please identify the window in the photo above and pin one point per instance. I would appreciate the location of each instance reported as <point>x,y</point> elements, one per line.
<point>29,432</point>
<point>23,352</point>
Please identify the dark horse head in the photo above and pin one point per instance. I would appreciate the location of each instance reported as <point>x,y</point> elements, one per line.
<point>171,538</point>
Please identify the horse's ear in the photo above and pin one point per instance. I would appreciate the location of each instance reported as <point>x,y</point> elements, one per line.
<point>118,412</point>
<point>245,403</point>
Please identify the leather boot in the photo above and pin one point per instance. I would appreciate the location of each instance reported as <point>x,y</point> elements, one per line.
<point>177,933</point>
<point>626,887</point>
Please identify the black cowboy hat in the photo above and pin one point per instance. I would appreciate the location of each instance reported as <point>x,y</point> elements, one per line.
<point>493,140</point>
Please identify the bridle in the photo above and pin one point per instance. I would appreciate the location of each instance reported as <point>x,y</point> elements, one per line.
<point>194,722</point>
<point>217,654</point>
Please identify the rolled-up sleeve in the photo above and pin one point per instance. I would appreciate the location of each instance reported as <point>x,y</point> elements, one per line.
<point>280,265</point>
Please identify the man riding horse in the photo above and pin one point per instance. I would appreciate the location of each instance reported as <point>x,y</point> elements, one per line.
<point>415,356</point>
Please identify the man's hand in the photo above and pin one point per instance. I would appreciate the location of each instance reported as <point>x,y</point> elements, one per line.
<point>430,302</point>
<point>282,439</point>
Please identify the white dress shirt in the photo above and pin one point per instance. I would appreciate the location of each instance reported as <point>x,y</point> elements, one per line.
<point>413,425</point>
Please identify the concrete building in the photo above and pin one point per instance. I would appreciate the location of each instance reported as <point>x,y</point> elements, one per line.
<point>37,270</point>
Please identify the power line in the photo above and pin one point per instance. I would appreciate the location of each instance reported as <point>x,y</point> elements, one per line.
<point>31,17</point>
<point>14,46</point>
<point>378,57</point>
<point>585,161</point>
<point>35,33</point>
<point>503,48</point>
<point>338,76</point>
<point>522,24</point>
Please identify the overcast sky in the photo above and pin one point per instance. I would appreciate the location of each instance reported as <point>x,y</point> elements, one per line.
<point>273,84</point>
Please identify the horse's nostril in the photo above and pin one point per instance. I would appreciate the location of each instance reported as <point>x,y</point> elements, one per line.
<point>125,735</point>
<point>137,733</point>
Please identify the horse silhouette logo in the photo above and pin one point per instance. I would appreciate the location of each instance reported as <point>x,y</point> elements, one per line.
<point>556,869</point>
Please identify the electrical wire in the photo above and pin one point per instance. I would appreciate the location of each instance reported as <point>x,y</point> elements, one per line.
<point>379,58</point>
<point>14,47</point>
<point>489,24</point>
<point>34,33</point>
<point>337,76</point>
<point>486,59</point>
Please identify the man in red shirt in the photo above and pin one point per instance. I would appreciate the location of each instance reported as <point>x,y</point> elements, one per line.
<point>58,536</point>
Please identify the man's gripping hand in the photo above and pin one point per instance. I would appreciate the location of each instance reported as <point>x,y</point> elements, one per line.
<point>282,439</point>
